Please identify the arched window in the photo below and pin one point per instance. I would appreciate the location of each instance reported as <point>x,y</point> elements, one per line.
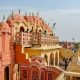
<point>21,29</point>
<point>40,31</point>
<point>6,73</point>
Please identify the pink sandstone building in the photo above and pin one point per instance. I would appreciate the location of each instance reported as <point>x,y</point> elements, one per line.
<point>28,49</point>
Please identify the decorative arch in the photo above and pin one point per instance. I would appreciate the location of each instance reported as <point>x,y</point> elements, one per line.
<point>17,27</point>
<point>40,30</point>
<point>22,29</point>
<point>6,73</point>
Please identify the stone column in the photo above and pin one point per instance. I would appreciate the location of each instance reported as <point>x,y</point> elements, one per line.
<point>58,58</point>
<point>54,59</point>
<point>49,60</point>
<point>14,76</point>
<point>67,77</point>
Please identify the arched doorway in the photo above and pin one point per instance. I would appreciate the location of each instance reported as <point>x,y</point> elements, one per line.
<point>46,58</point>
<point>51,59</point>
<point>21,29</point>
<point>35,73</point>
<point>6,73</point>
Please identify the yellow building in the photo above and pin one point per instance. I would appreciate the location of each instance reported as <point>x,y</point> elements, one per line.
<point>72,71</point>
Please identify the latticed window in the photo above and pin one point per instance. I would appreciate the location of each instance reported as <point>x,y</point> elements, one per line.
<point>50,76</point>
<point>42,75</point>
<point>25,74</point>
<point>35,75</point>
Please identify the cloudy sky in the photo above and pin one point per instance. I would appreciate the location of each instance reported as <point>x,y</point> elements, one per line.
<point>66,14</point>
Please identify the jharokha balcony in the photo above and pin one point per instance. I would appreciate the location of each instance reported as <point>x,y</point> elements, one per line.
<point>32,39</point>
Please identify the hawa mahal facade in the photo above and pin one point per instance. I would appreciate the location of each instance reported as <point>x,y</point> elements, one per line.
<point>29,50</point>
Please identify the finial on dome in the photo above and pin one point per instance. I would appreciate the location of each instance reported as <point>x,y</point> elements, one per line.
<point>29,14</point>
<point>19,11</point>
<point>48,23</point>
<point>41,18</point>
<point>25,13</point>
<point>12,14</point>
<point>45,21</point>
<point>32,14</point>
<point>3,17</point>
<point>53,25</point>
<point>37,13</point>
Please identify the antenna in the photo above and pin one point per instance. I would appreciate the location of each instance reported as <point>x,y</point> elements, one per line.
<point>3,17</point>
<point>53,25</point>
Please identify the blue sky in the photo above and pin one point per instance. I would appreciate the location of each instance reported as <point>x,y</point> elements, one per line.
<point>66,14</point>
<point>42,4</point>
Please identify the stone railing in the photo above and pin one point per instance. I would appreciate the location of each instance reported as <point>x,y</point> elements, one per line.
<point>48,40</point>
<point>24,38</point>
<point>29,39</point>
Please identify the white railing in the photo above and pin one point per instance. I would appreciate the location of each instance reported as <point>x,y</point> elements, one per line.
<point>77,74</point>
<point>69,73</point>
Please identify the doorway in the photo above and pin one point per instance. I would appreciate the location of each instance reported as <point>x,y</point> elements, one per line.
<point>6,73</point>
